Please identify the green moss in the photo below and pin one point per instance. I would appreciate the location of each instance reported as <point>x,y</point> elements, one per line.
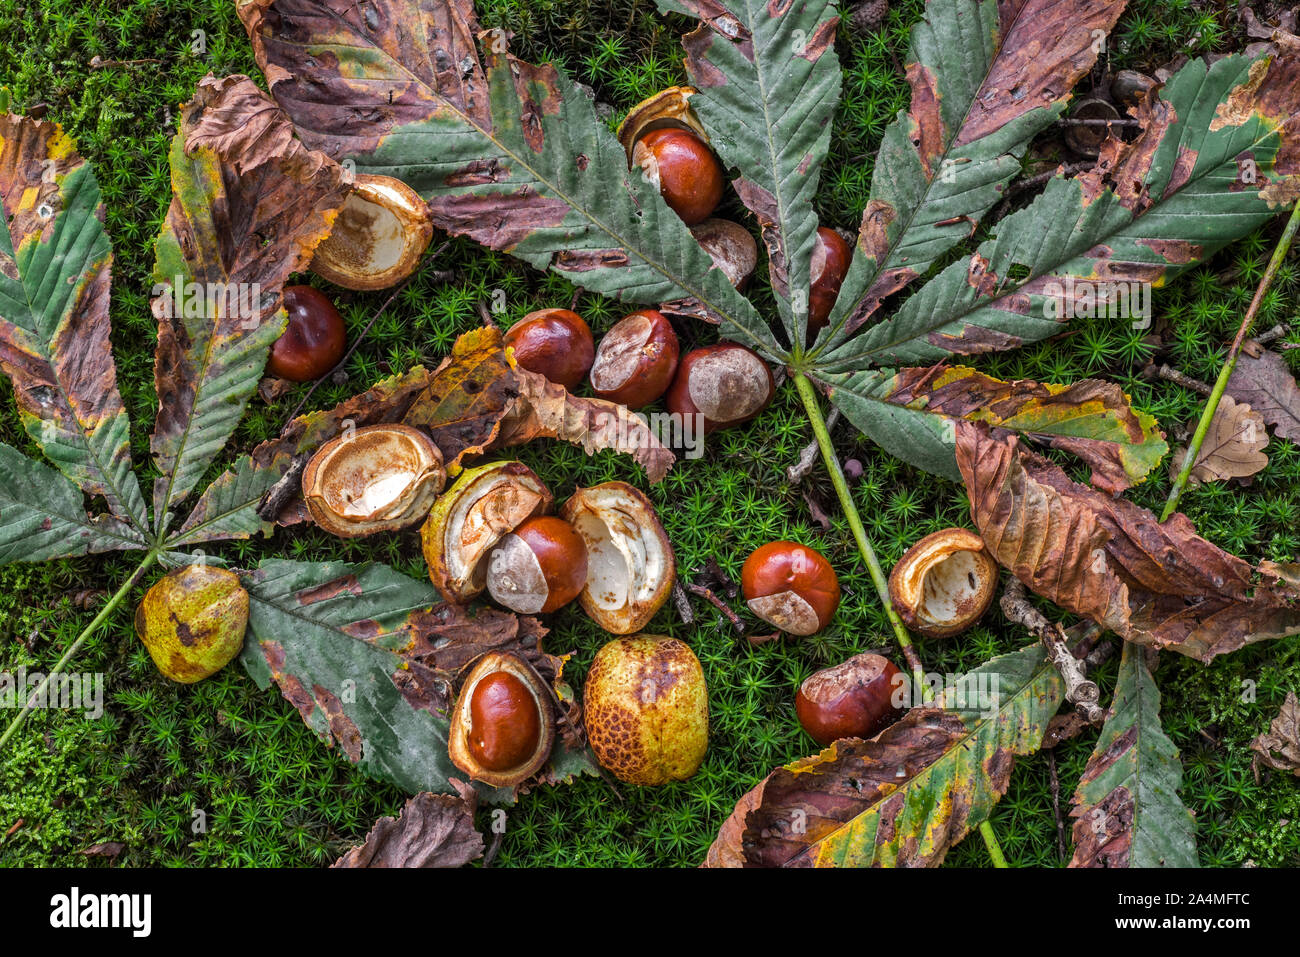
<point>166,759</point>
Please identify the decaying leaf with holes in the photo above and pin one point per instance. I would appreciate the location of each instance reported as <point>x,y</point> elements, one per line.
<point>1279,748</point>
<point>1158,584</point>
<point>1126,808</point>
<point>433,830</point>
<point>909,794</point>
<point>1233,447</point>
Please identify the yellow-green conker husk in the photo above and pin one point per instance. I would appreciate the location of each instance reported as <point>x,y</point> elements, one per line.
<point>647,710</point>
<point>193,621</point>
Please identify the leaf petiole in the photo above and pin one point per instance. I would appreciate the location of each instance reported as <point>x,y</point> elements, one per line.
<point>110,606</point>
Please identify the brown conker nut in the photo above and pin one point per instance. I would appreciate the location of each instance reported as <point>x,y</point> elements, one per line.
<point>854,699</point>
<point>791,587</point>
<point>555,343</point>
<point>689,176</point>
<point>944,583</point>
<point>636,360</point>
<point>726,383</point>
<point>503,724</point>
<point>830,264</point>
<point>314,339</point>
<point>647,709</point>
<point>539,567</point>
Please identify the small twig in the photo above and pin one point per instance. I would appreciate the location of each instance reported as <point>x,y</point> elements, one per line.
<point>98,63</point>
<point>279,494</point>
<point>1084,121</point>
<point>342,363</point>
<point>1056,802</point>
<point>1079,691</point>
<point>683,603</point>
<point>1220,384</point>
<point>716,602</point>
<point>1178,378</point>
<point>808,457</point>
<point>1277,332</point>
<point>1029,182</point>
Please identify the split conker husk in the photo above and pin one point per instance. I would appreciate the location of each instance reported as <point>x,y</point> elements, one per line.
<point>503,726</point>
<point>636,359</point>
<point>192,621</point>
<point>854,699</point>
<point>647,709</point>
<point>539,567</point>
<point>830,264</point>
<point>483,505</point>
<point>726,383</point>
<point>791,587</point>
<point>555,343</point>
<point>944,583</point>
<point>313,340</point>
<point>380,478</point>
<point>683,167</point>
<point>378,236</point>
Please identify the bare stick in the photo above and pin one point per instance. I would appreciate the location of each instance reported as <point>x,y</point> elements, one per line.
<point>279,494</point>
<point>683,603</point>
<point>716,602</point>
<point>1079,691</point>
<point>1178,378</point>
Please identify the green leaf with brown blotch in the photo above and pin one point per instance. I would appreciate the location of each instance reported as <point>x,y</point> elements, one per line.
<point>986,77</point>
<point>42,515</point>
<point>909,794</point>
<point>1126,808</point>
<point>768,81</point>
<point>912,413</point>
<point>1218,155</point>
<point>249,205</point>
<point>369,657</point>
<point>1104,558</point>
<point>228,507</point>
<point>509,154</point>
<point>55,265</point>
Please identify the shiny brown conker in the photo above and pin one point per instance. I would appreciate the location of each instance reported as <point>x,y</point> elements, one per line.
<point>854,699</point>
<point>689,176</point>
<point>636,359</point>
<point>555,343</point>
<point>830,264</point>
<point>726,383</point>
<point>791,587</point>
<point>504,722</point>
<point>539,567</point>
<point>314,339</point>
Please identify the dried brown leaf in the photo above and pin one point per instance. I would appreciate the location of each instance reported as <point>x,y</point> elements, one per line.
<point>433,830</point>
<point>1262,380</point>
<point>1109,560</point>
<point>1279,749</point>
<point>1233,446</point>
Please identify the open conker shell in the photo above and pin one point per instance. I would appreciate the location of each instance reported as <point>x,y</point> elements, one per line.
<point>731,247</point>
<point>791,587</point>
<point>667,109</point>
<point>376,479</point>
<point>503,726</point>
<point>636,359</point>
<point>483,505</point>
<point>630,563</point>
<point>378,237</point>
<point>854,699</point>
<point>192,621</point>
<point>944,583</point>
<point>726,383</point>
<point>555,343</point>
<point>539,567</point>
<point>647,709</point>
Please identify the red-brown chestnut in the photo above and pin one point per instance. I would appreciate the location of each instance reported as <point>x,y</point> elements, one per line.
<point>683,167</point>
<point>944,583</point>
<point>314,339</point>
<point>636,360</point>
<point>555,343</point>
<point>726,383</point>
<point>830,264</point>
<point>791,587</point>
<point>854,699</point>
<point>731,247</point>
<point>503,725</point>
<point>539,567</point>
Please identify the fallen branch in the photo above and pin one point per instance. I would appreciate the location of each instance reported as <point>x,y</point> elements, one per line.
<point>282,492</point>
<point>1079,691</point>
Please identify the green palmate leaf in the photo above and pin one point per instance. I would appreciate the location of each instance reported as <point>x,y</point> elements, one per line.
<point>249,205</point>
<point>912,792</point>
<point>511,155</point>
<point>55,263</point>
<point>768,81</point>
<point>986,77</point>
<point>912,413</point>
<point>367,656</point>
<point>1218,155</point>
<point>228,507</point>
<point>1126,807</point>
<point>42,516</point>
